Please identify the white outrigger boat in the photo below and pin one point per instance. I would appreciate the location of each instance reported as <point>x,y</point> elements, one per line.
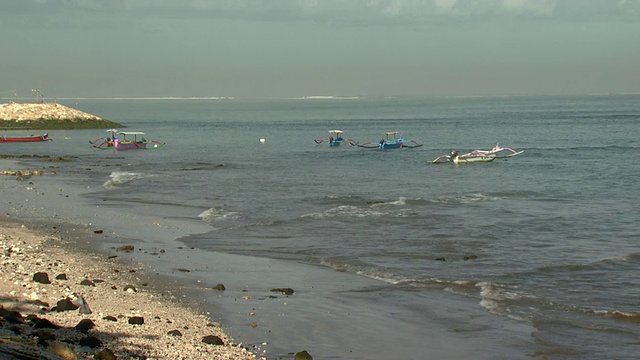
<point>474,156</point>
<point>499,152</point>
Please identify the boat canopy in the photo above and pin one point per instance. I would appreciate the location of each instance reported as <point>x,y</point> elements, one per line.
<point>390,133</point>
<point>131,133</point>
<point>336,131</point>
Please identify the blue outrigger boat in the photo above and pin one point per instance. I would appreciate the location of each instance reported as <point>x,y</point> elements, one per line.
<point>335,138</point>
<point>391,140</point>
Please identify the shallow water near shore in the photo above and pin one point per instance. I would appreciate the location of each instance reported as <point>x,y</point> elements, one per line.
<point>389,255</point>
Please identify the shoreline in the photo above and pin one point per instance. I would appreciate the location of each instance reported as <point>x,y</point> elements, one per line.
<point>50,204</point>
<point>115,293</point>
<point>35,241</point>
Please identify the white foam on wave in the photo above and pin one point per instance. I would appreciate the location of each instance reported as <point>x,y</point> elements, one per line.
<point>494,299</point>
<point>362,270</point>
<point>344,211</point>
<point>490,297</point>
<point>119,178</point>
<point>466,198</point>
<point>623,315</point>
<point>400,202</point>
<point>387,278</point>
<point>476,197</point>
<point>218,214</point>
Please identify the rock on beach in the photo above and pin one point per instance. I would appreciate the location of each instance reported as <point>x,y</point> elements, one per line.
<point>33,324</point>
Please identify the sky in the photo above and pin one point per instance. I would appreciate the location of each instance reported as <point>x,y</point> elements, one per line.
<point>293,48</point>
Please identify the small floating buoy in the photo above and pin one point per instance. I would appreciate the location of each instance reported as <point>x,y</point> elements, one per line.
<point>262,140</point>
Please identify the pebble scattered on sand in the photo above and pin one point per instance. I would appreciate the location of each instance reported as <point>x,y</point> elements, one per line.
<point>75,305</point>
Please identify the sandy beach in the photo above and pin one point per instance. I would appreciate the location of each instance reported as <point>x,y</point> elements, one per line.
<point>40,276</point>
<point>101,256</point>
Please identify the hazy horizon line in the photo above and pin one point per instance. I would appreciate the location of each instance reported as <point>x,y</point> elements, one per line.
<point>303,97</point>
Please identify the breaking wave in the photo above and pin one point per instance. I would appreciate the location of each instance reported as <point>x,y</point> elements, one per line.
<point>466,198</point>
<point>344,211</point>
<point>120,178</point>
<point>218,214</point>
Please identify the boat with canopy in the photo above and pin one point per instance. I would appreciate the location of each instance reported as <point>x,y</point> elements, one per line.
<point>391,140</point>
<point>125,140</point>
<point>497,152</point>
<point>336,137</point>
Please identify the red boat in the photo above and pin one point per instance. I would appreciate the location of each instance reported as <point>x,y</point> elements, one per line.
<point>28,138</point>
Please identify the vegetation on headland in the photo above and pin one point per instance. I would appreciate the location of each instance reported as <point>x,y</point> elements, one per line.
<point>58,124</point>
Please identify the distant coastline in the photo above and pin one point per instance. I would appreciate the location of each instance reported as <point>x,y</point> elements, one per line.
<point>48,116</point>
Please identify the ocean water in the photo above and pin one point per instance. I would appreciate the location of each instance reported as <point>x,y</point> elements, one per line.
<point>545,242</point>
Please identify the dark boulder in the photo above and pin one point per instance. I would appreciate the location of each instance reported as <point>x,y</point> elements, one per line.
<point>41,323</point>
<point>125,248</point>
<point>64,305</point>
<point>87,282</point>
<point>11,316</point>
<point>212,340</point>
<point>85,325</point>
<point>41,277</point>
<point>90,341</point>
<point>284,291</point>
<point>136,320</point>
<point>303,355</point>
<point>44,335</point>
<point>105,354</point>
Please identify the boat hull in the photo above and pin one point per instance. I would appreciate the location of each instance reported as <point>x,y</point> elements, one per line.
<point>129,145</point>
<point>390,145</point>
<point>31,138</point>
<point>473,159</point>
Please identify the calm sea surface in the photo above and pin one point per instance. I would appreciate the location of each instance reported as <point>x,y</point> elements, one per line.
<point>549,238</point>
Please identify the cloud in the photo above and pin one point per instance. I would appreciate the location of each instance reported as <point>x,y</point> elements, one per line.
<point>445,6</point>
<point>365,12</point>
<point>539,8</point>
